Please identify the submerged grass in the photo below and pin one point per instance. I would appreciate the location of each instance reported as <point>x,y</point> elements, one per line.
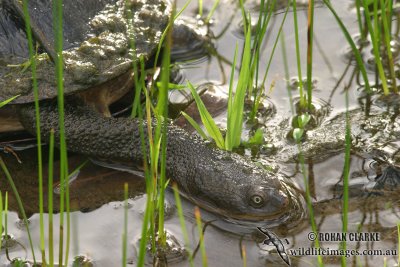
<point>1,218</point>
<point>64,180</point>
<point>182,223</point>
<point>125,230</point>
<point>155,163</point>
<point>201,236</point>
<point>50,199</point>
<point>20,205</point>
<point>32,55</point>
<point>346,173</point>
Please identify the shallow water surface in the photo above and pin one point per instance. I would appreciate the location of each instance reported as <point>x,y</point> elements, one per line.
<point>97,193</point>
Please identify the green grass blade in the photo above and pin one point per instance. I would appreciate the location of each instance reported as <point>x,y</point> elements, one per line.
<point>32,59</point>
<point>6,214</point>
<point>182,223</point>
<point>296,33</point>
<point>59,70</point>
<point>244,256</point>
<point>125,233</point>
<point>50,198</point>
<point>230,95</point>
<point>208,121</point>
<point>309,202</point>
<point>235,117</point>
<point>359,20</point>
<point>375,47</point>
<point>274,47</point>
<point>149,207</point>
<point>1,215</point>
<point>398,242</point>
<point>20,205</point>
<point>195,125</point>
<point>201,236</point>
<point>286,66</point>
<point>310,34</point>
<point>357,54</point>
<point>164,34</point>
<point>213,8</point>
<point>346,173</point>
<point>387,39</point>
<point>162,110</point>
<point>200,7</point>
<point>5,102</point>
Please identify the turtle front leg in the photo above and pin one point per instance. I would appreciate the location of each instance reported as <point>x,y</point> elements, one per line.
<point>389,179</point>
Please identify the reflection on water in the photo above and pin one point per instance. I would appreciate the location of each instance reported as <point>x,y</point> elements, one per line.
<point>97,217</point>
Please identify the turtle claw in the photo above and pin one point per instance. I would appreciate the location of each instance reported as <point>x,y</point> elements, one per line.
<point>389,180</point>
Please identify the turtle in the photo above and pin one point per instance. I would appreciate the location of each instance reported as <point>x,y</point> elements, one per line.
<point>98,60</point>
<point>97,48</point>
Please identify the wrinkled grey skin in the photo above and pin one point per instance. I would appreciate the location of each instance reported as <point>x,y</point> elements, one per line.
<point>217,180</point>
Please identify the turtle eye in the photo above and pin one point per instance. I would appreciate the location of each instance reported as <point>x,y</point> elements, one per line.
<point>256,201</point>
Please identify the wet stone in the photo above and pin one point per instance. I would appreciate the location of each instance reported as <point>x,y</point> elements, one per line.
<point>173,252</point>
<point>8,241</point>
<point>82,261</point>
<point>295,83</point>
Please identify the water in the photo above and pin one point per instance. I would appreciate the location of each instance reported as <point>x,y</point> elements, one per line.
<point>97,219</point>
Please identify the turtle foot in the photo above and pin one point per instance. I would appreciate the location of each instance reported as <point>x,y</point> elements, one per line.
<point>389,180</point>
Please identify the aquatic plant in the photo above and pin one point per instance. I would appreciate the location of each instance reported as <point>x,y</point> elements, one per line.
<point>5,102</point>
<point>308,194</point>
<point>300,76</point>
<point>235,103</point>
<point>32,64</point>
<point>20,205</point>
<point>155,163</point>
<point>354,49</point>
<point>201,236</point>
<point>50,199</point>
<point>310,37</point>
<point>248,78</point>
<point>374,33</point>
<point>1,215</point>
<point>182,223</point>
<point>346,173</point>
<point>125,230</point>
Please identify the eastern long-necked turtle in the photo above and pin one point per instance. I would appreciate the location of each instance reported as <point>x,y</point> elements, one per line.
<point>97,56</point>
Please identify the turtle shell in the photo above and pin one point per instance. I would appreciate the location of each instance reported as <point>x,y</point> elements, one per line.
<point>97,43</point>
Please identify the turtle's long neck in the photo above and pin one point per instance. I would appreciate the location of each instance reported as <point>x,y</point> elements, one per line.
<point>114,139</point>
<point>87,132</point>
